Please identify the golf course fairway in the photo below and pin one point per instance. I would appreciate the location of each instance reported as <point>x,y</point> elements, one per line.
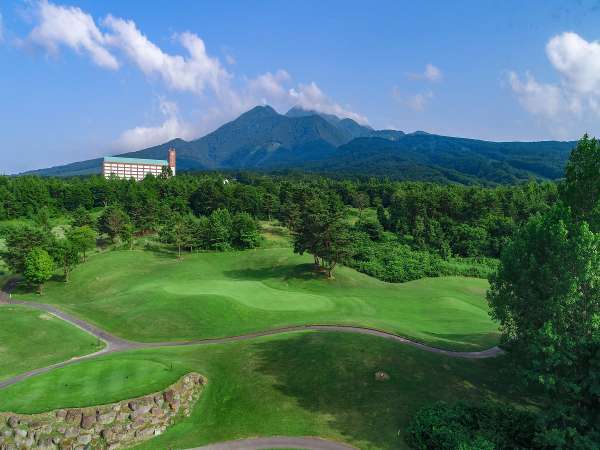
<point>154,297</point>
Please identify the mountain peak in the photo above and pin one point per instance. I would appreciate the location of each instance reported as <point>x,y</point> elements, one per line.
<point>260,111</point>
<point>299,111</point>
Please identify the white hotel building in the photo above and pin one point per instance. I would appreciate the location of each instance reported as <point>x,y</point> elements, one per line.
<point>136,168</point>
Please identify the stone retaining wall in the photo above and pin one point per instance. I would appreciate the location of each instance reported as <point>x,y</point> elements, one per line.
<point>111,426</point>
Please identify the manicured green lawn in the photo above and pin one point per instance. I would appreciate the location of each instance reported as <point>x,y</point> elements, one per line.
<point>149,296</point>
<point>311,384</point>
<point>30,339</point>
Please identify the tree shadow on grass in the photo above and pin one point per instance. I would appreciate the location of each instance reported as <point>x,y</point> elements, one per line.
<point>333,375</point>
<point>303,272</point>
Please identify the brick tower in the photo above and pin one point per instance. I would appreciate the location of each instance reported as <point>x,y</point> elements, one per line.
<point>172,160</point>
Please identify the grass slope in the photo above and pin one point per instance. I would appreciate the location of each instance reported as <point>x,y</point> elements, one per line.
<point>309,383</point>
<point>31,339</point>
<point>154,297</point>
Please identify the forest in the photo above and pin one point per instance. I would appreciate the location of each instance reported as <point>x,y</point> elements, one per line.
<point>398,231</point>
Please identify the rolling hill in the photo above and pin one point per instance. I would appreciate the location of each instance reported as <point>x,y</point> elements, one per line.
<point>262,139</point>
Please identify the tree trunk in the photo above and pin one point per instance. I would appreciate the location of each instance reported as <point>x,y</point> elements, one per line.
<point>330,270</point>
<point>39,289</point>
<point>66,270</point>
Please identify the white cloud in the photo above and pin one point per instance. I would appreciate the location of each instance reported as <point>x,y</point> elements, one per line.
<point>190,73</point>
<point>147,136</point>
<point>430,73</point>
<point>195,72</point>
<point>416,102</point>
<point>564,103</point>
<point>537,98</point>
<point>269,87</point>
<point>230,59</point>
<point>577,61</point>
<point>70,26</point>
<point>309,96</point>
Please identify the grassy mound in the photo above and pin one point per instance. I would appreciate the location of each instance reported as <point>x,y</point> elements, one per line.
<point>154,297</point>
<point>309,383</point>
<point>31,339</point>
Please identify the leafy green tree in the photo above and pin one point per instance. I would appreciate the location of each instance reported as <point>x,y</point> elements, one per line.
<point>581,189</point>
<point>177,231</point>
<point>383,218</point>
<point>19,241</point>
<point>81,217</point>
<point>270,203</point>
<point>360,201</point>
<point>42,219</point>
<point>65,254</point>
<point>126,234</point>
<point>220,226</point>
<point>334,244</point>
<point>201,233</point>
<point>39,268</point>
<point>323,232</point>
<point>289,214</point>
<point>245,231</point>
<point>546,297</point>
<point>307,229</point>
<point>112,221</point>
<point>83,239</point>
<point>370,226</point>
<point>165,173</point>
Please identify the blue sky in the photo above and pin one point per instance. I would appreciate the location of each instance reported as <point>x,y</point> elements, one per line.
<point>80,79</point>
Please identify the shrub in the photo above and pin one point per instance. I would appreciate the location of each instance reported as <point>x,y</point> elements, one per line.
<point>465,426</point>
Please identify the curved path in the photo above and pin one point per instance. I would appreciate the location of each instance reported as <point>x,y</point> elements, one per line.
<point>116,344</point>
<point>311,443</point>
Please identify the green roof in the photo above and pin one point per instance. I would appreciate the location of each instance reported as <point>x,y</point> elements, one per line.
<point>116,159</point>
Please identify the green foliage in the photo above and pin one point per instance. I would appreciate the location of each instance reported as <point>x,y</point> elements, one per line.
<point>393,261</point>
<point>20,241</point>
<point>322,231</point>
<point>245,231</point>
<point>546,296</point>
<point>113,221</point>
<point>581,189</point>
<point>82,238</point>
<point>42,219</point>
<point>468,221</point>
<point>220,230</point>
<point>81,217</point>
<point>126,234</point>
<point>466,426</point>
<point>177,231</point>
<point>370,226</point>
<point>66,255</point>
<point>39,267</point>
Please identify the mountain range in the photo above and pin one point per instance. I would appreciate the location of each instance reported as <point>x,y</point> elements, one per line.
<point>262,139</point>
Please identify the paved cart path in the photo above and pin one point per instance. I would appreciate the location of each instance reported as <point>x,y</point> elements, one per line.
<point>311,443</point>
<point>115,344</point>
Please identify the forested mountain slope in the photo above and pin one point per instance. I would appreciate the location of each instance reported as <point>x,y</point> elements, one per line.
<point>262,139</point>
